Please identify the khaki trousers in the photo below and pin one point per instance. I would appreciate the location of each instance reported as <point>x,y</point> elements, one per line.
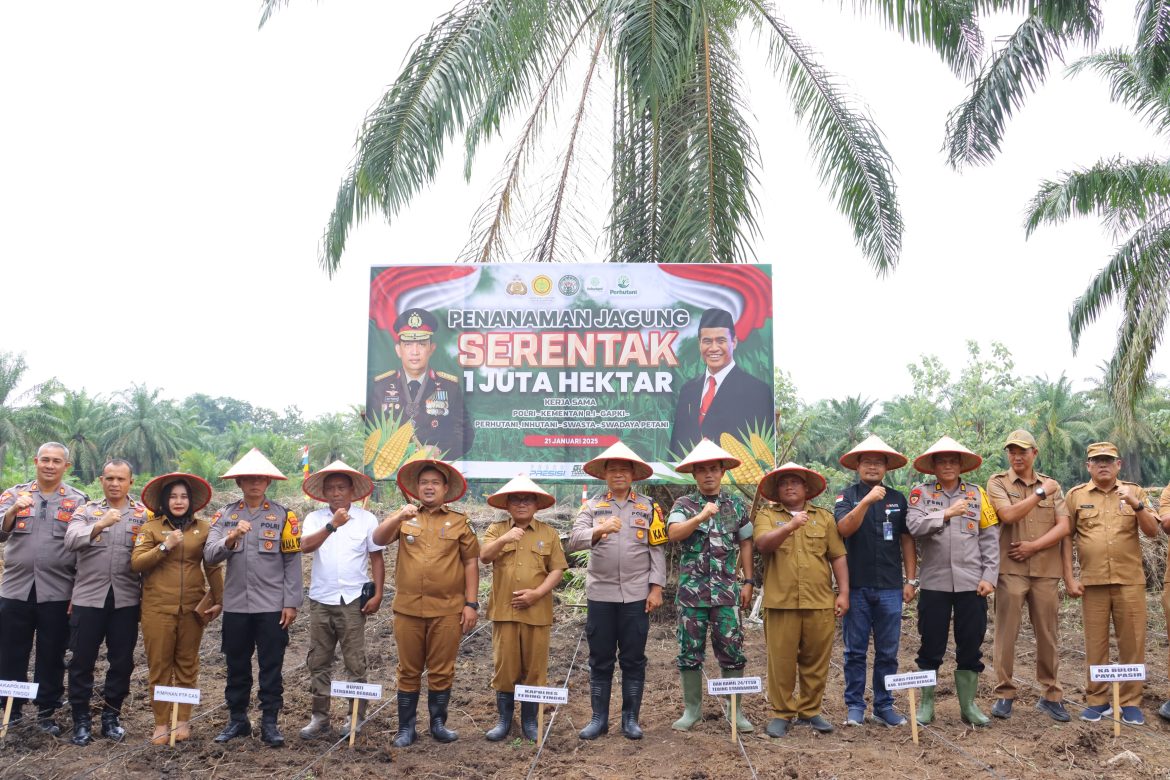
<point>172,657</point>
<point>800,642</point>
<point>1043,600</point>
<point>520,652</point>
<point>1126,605</point>
<point>330,625</point>
<point>426,643</point>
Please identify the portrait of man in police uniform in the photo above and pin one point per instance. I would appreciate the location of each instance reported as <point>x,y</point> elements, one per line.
<point>431,400</point>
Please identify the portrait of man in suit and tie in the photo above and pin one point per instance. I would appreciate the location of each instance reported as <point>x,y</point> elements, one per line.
<point>724,398</point>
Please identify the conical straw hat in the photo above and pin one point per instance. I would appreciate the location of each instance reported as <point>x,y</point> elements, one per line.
<point>618,451</point>
<point>706,451</point>
<point>408,478</point>
<point>520,484</point>
<point>254,464</point>
<point>968,461</point>
<point>873,446</point>
<point>197,488</point>
<point>314,485</point>
<point>770,485</point>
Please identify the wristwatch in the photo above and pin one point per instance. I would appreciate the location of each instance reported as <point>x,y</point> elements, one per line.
<point>1042,492</point>
<point>912,583</point>
<point>473,604</point>
<point>162,547</point>
<point>330,527</point>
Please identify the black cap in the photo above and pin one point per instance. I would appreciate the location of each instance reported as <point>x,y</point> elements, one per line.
<point>717,318</point>
<point>415,325</point>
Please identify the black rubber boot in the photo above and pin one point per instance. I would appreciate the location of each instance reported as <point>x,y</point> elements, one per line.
<point>238,726</point>
<point>631,705</point>
<point>506,706</point>
<point>528,719</point>
<point>599,690</point>
<point>112,726</point>
<point>270,731</point>
<point>82,729</point>
<point>407,718</point>
<point>437,706</point>
<point>46,723</point>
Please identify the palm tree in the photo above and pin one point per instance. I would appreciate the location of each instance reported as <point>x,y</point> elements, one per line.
<point>146,430</point>
<point>1062,426</point>
<point>333,437</point>
<point>22,414</point>
<point>83,422</point>
<point>683,159</point>
<point>844,425</point>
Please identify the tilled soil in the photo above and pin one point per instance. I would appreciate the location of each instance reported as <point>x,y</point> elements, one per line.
<point>1029,745</point>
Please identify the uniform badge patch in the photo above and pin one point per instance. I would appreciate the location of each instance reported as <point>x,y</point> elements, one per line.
<point>268,545</point>
<point>140,539</point>
<point>915,496</point>
<point>21,525</point>
<point>840,497</point>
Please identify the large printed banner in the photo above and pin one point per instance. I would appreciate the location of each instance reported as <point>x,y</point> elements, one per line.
<point>536,368</point>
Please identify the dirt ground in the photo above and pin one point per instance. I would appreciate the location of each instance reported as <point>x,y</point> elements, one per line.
<point>1028,746</point>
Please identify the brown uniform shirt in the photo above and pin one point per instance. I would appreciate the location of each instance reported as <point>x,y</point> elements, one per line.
<point>35,553</point>
<point>432,548</point>
<point>174,582</point>
<point>1105,530</point>
<point>104,563</point>
<point>522,565</point>
<point>1005,489</point>
<point>798,575</point>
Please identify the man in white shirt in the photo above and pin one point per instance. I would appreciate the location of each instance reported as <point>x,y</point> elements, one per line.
<point>339,537</point>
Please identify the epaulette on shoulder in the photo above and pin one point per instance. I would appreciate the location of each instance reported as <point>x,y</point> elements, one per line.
<point>380,377</point>
<point>445,375</point>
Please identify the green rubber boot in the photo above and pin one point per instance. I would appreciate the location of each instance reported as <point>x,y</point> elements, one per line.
<point>967,685</point>
<point>692,691</point>
<point>925,705</point>
<point>741,722</point>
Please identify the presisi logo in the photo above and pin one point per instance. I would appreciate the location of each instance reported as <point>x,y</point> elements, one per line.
<point>569,285</point>
<point>516,287</point>
<point>542,285</point>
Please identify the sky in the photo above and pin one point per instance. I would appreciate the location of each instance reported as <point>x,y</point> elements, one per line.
<point>166,170</point>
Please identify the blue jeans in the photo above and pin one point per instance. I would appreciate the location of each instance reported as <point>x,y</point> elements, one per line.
<point>876,611</point>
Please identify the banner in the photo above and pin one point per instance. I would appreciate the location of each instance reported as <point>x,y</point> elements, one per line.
<point>536,368</point>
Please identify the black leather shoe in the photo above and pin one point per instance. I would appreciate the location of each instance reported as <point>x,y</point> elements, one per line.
<point>47,725</point>
<point>631,706</point>
<point>82,731</point>
<point>270,732</point>
<point>112,727</point>
<point>235,728</point>
<point>1002,708</point>
<point>818,723</point>
<point>599,690</point>
<point>506,707</point>
<point>437,706</point>
<point>777,727</point>
<point>1055,710</point>
<point>407,718</point>
<point>528,719</point>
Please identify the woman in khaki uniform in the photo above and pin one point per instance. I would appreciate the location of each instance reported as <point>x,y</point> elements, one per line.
<point>168,552</point>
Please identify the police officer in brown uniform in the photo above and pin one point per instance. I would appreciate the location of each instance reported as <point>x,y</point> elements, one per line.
<point>106,596</point>
<point>527,563</point>
<point>1106,515</point>
<point>38,579</point>
<point>431,400</point>
<point>436,584</point>
<point>1033,524</point>
<point>263,588</point>
<point>625,533</point>
<point>168,553</point>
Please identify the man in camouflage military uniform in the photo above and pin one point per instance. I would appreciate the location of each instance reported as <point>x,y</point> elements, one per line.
<point>714,534</point>
<point>38,579</point>
<point>432,401</point>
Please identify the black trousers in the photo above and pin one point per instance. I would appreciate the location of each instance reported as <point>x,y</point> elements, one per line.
<point>48,623</point>
<point>89,627</point>
<point>617,631</point>
<point>244,634</point>
<point>935,608</point>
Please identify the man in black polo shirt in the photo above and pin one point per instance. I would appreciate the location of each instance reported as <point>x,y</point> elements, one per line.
<point>872,519</point>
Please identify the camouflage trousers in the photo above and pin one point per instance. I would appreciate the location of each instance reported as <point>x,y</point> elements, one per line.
<point>726,636</point>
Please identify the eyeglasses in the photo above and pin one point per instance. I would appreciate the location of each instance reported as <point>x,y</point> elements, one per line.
<point>1103,460</point>
<point>522,499</point>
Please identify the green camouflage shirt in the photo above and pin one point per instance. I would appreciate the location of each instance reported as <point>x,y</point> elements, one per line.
<point>709,556</point>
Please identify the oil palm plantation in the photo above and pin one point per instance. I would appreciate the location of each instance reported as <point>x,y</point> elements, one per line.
<point>147,430</point>
<point>660,83</point>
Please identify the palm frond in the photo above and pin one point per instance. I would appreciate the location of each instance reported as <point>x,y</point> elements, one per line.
<point>950,27</point>
<point>1152,48</point>
<point>1130,85</point>
<point>975,128</point>
<point>1123,193</point>
<point>268,8</point>
<point>847,146</point>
